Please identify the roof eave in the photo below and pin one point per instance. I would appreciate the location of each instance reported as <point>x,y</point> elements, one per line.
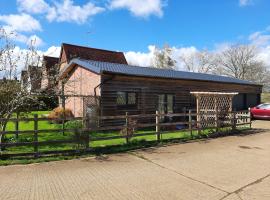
<point>187,79</point>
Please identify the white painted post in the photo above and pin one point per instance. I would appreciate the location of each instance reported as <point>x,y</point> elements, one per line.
<point>249,115</point>
<point>157,126</point>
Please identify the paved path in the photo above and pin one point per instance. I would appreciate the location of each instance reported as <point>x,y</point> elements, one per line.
<point>230,168</point>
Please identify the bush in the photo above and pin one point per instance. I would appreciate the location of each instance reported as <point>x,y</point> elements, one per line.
<point>47,103</point>
<point>77,124</point>
<point>59,113</point>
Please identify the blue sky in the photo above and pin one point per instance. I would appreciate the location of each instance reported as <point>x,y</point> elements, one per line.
<point>131,26</point>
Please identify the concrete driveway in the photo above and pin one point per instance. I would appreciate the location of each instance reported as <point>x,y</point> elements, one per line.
<point>229,168</point>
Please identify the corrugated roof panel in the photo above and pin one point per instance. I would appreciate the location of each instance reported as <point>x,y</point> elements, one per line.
<point>99,67</point>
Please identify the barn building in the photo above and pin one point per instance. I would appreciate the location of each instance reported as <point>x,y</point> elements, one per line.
<point>122,88</point>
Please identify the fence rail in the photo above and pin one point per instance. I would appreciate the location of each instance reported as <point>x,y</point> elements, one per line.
<point>82,136</point>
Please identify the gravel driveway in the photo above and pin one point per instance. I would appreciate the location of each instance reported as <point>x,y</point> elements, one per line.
<point>236,167</point>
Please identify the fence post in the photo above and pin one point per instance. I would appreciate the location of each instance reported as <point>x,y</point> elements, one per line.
<point>234,121</point>
<point>63,101</point>
<point>249,115</point>
<point>127,128</point>
<point>198,120</point>
<point>216,115</point>
<point>17,125</point>
<point>36,135</point>
<point>190,123</point>
<point>199,124</point>
<point>86,132</point>
<point>157,126</point>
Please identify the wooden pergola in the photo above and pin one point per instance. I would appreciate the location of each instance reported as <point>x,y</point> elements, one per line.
<point>213,106</point>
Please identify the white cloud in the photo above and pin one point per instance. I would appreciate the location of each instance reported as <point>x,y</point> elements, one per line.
<point>145,59</point>
<point>22,38</point>
<point>141,58</point>
<point>32,6</point>
<point>13,35</point>
<point>260,38</point>
<point>264,55</point>
<point>243,3</point>
<point>219,47</point>
<point>68,12</point>
<point>53,51</point>
<point>35,41</point>
<point>21,58</point>
<point>21,22</point>
<point>60,11</point>
<point>186,52</point>
<point>140,8</point>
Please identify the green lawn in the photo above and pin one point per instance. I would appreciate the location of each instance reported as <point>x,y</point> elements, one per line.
<point>60,136</point>
<point>102,146</point>
<point>266,97</point>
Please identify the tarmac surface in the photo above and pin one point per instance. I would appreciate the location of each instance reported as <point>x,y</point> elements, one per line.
<point>229,168</point>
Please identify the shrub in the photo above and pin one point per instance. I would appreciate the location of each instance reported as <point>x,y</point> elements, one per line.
<point>77,124</point>
<point>59,113</point>
<point>47,102</point>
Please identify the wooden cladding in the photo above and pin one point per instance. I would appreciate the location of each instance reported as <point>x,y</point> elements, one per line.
<point>148,89</point>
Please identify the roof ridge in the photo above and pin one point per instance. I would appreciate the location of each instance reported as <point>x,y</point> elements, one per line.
<point>75,45</point>
<point>50,56</point>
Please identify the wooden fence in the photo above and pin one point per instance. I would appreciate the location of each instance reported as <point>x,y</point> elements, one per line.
<point>82,136</point>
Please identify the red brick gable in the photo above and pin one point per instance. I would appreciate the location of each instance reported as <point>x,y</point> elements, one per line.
<point>70,51</point>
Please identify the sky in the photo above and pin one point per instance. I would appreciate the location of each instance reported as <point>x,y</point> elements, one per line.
<point>136,26</point>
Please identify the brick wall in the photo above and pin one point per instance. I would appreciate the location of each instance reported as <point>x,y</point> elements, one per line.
<point>81,82</point>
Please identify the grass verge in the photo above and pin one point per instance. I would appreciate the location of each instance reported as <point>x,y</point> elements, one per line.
<point>266,97</point>
<point>114,146</point>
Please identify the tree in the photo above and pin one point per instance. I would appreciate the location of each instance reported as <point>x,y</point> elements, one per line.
<point>238,61</point>
<point>163,58</point>
<point>241,61</point>
<point>199,61</point>
<point>14,97</point>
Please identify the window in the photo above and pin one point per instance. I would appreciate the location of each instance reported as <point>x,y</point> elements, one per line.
<point>166,103</point>
<point>121,98</point>
<point>170,103</point>
<point>126,99</point>
<point>264,106</point>
<point>131,100</point>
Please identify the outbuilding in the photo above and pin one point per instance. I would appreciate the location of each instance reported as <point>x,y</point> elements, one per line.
<point>122,88</point>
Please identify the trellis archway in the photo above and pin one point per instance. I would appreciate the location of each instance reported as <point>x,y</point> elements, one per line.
<point>213,107</point>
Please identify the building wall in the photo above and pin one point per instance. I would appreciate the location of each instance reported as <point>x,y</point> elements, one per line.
<point>149,88</point>
<point>247,100</point>
<point>81,82</point>
<point>44,80</point>
<point>63,60</point>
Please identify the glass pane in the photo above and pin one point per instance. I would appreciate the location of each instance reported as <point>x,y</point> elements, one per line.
<point>161,103</point>
<point>266,106</point>
<point>263,106</point>
<point>121,98</point>
<point>131,98</point>
<point>170,103</point>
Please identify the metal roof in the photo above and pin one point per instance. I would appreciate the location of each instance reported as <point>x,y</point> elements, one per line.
<point>100,67</point>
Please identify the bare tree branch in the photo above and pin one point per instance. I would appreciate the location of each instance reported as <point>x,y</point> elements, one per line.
<point>163,58</point>
<point>202,62</point>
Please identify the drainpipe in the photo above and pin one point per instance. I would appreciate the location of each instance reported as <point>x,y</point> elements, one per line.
<point>102,83</point>
<point>95,89</point>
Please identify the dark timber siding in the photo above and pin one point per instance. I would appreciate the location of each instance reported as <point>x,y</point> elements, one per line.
<point>148,89</point>
<point>246,100</point>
